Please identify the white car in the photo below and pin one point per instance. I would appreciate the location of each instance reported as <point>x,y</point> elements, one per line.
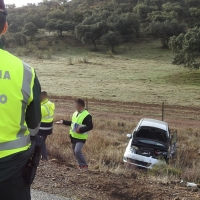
<point>150,144</point>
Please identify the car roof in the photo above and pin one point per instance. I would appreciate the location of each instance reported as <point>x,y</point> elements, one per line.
<point>154,123</point>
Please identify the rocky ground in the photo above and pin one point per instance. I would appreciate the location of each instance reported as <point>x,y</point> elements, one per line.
<point>60,179</point>
<point>38,195</point>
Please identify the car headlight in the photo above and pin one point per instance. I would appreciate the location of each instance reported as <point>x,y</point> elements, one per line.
<point>134,147</point>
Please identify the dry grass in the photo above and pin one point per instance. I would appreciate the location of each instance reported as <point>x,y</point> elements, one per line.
<point>106,145</point>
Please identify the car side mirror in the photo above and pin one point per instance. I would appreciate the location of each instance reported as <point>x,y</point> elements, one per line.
<point>174,138</point>
<point>129,136</point>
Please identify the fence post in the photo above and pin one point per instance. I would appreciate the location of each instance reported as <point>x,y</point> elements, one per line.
<point>163,111</point>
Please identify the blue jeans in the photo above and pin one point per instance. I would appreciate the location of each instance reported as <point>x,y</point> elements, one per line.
<point>44,149</point>
<point>77,149</point>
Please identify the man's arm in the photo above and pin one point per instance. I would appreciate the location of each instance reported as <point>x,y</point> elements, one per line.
<point>67,123</point>
<point>88,125</point>
<point>33,112</point>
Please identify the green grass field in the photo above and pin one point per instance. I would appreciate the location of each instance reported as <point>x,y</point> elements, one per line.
<point>137,73</point>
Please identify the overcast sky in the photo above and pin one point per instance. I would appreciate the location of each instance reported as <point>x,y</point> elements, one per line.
<point>21,2</point>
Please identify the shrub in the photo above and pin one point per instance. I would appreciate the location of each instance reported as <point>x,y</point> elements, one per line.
<point>30,48</point>
<point>43,45</point>
<point>39,54</point>
<point>85,59</point>
<point>20,51</point>
<point>49,54</point>
<point>70,61</point>
<point>20,39</point>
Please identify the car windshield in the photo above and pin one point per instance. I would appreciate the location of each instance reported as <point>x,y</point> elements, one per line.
<point>153,134</point>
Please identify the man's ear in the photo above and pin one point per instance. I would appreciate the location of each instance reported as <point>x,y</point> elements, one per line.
<point>5,28</point>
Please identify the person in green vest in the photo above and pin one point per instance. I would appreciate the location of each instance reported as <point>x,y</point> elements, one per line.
<point>46,126</point>
<point>20,120</point>
<point>80,124</point>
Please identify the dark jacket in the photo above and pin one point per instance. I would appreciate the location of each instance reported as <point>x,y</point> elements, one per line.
<point>88,127</point>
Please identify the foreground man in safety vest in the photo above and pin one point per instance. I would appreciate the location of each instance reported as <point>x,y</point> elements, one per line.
<point>81,124</point>
<point>46,127</point>
<point>20,117</point>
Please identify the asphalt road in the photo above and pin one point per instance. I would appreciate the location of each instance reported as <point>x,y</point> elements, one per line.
<point>38,195</point>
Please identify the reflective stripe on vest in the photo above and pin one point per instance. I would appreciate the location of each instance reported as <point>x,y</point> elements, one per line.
<point>16,84</point>
<point>78,120</point>
<point>46,128</point>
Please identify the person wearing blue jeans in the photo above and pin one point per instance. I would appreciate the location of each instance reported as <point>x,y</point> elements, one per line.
<point>80,124</point>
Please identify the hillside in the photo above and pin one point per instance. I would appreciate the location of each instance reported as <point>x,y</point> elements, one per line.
<point>105,21</point>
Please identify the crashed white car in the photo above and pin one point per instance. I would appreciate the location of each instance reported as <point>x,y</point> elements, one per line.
<point>150,143</point>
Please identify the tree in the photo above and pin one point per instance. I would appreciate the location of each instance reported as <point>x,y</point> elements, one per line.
<point>86,33</point>
<point>162,16</point>
<point>51,25</point>
<point>178,8</point>
<point>20,39</point>
<point>60,26</point>
<point>36,19</point>
<point>30,29</point>
<point>165,30</point>
<point>111,40</point>
<point>143,10</point>
<point>127,24</point>
<point>13,28</point>
<point>186,48</point>
<point>194,17</point>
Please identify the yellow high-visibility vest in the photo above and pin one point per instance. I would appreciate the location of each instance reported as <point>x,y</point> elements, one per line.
<point>47,109</point>
<point>16,84</point>
<point>77,120</point>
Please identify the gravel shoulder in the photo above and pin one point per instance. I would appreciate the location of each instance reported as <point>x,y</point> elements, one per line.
<point>38,195</point>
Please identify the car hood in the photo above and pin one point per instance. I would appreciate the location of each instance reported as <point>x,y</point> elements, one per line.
<point>141,142</point>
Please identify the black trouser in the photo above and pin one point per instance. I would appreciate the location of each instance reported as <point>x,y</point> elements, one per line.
<point>16,187</point>
<point>44,148</point>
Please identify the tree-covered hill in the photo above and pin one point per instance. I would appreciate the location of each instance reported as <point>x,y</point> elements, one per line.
<point>109,22</point>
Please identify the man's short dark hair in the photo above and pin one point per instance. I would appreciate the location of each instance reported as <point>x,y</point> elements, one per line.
<point>44,93</point>
<point>2,21</point>
<point>80,102</point>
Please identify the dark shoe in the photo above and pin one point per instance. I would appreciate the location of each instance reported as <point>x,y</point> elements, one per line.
<point>44,159</point>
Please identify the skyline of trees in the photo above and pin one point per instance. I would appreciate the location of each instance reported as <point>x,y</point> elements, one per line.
<point>94,21</point>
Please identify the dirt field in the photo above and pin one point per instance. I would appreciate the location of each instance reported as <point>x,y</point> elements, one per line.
<point>138,73</point>
<point>108,178</point>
